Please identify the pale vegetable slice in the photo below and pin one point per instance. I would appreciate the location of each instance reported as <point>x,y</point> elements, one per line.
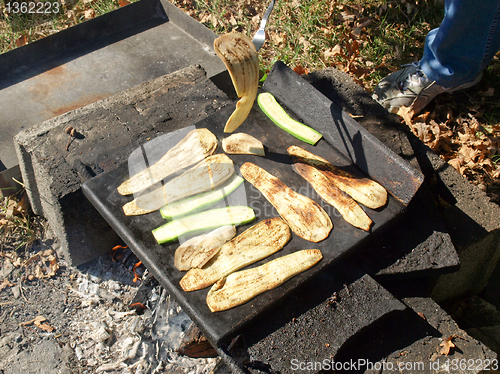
<point>238,53</point>
<point>259,241</point>
<point>195,252</point>
<point>242,143</point>
<point>364,190</point>
<point>347,207</point>
<point>209,219</point>
<point>194,147</point>
<point>306,218</point>
<point>239,287</point>
<point>201,201</point>
<point>205,176</point>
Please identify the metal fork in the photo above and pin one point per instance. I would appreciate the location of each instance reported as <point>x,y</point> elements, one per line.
<point>260,36</point>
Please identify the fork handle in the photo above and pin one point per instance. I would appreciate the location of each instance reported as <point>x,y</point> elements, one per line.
<point>266,14</point>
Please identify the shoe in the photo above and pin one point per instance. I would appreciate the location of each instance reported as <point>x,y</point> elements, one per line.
<point>410,87</point>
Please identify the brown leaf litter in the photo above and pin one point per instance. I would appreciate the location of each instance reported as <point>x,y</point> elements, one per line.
<point>463,142</point>
<point>447,345</point>
<point>43,264</point>
<point>40,322</point>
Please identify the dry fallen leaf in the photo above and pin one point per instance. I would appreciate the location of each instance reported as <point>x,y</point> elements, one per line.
<point>346,16</point>
<point>333,51</point>
<point>300,70</point>
<point>22,40</point>
<point>40,322</point>
<point>305,44</point>
<point>71,15</point>
<point>89,13</point>
<point>407,114</point>
<point>255,21</point>
<point>447,344</point>
<point>276,38</point>
<point>45,264</point>
<point>353,49</point>
<point>5,284</point>
<point>457,164</point>
<point>123,2</point>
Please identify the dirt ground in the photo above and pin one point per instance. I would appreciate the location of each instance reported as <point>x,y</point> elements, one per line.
<point>78,320</point>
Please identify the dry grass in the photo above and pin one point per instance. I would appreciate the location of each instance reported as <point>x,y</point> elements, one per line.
<point>18,29</point>
<point>18,227</point>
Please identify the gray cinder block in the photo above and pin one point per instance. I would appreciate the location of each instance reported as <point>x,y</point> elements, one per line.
<point>107,132</point>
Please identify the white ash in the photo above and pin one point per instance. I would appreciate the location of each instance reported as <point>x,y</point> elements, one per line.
<point>109,337</point>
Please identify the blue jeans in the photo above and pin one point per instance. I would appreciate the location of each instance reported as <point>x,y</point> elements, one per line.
<point>462,46</point>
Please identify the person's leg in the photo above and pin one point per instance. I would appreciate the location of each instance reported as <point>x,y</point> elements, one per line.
<point>465,42</point>
<point>455,54</point>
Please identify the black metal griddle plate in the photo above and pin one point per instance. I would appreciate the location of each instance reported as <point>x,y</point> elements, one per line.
<point>159,259</point>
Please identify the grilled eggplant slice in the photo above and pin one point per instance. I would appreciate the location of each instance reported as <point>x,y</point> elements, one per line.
<point>195,252</point>
<point>259,241</point>
<point>363,190</point>
<point>238,53</point>
<point>195,146</point>
<point>347,207</point>
<point>239,287</point>
<point>242,143</point>
<point>306,218</point>
<point>208,174</point>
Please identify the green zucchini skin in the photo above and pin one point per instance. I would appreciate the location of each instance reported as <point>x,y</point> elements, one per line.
<point>209,219</point>
<point>201,201</point>
<point>277,114</point>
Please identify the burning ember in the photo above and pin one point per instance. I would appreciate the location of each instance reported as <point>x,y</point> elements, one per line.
<point>127,258</point>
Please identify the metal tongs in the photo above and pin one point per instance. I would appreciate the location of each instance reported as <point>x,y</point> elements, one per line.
<point>260,36</point>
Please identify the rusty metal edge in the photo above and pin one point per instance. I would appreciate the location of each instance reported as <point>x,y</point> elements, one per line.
<point>42,55</point>
<point>34,58</point>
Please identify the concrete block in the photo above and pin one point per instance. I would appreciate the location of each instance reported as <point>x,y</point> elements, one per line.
<point>418,245</point>
<point>479,318</point>
<point>471,220</point>
<point>107,132</point>
<point>474,225</point>
<point>345,318</point>
<point>412,344</point>
<point>330,311</point>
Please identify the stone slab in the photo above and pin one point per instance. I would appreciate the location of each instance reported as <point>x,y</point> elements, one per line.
<point>108,131</point>
<point>419,244</point>
<point>345,318</point>
<point>470,221</point>
<point>412,344</point>
<point>315,321</point>
<point>474,225</point>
